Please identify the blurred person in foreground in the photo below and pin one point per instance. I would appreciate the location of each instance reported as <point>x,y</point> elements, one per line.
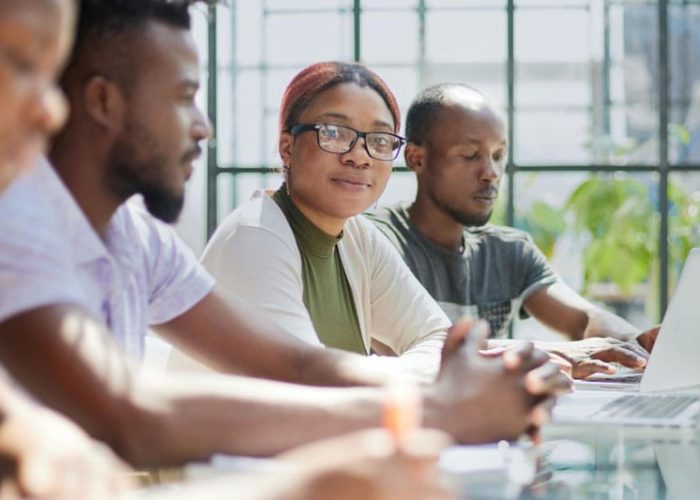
<point>42,454</point>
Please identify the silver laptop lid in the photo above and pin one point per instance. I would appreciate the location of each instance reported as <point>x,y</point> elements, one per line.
<point>675,360</point>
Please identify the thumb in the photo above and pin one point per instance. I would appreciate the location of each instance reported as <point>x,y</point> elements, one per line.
<point>36,477</point>
<point>456,335</point>
<point>475,338</point>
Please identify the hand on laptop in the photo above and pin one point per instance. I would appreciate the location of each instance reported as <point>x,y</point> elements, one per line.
<point>480,398</point>
<point>595,355</point>
<point>648,338</point>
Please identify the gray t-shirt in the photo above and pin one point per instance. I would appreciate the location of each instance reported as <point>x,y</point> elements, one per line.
<point>499,268</point>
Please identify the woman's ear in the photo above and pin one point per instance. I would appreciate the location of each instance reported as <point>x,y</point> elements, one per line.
<point>286,141</point>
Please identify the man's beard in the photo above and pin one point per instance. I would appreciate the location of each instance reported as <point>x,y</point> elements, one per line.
<point>127,175</point>
<point>469,220</point>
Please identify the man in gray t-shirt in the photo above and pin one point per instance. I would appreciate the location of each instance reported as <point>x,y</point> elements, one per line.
<point>496,270</point>
<point>456,145</point>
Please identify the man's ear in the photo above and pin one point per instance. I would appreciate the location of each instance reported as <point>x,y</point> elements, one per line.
<point>285,144</point>
<point>415,157</point>
<point>104,103</point>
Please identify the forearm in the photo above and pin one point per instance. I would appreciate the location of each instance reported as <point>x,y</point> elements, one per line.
<point>217,333</point>
<point>602,323</point>
<point>224,414</point>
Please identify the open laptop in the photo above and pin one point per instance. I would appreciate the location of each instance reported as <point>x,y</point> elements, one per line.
<point>669,391</point>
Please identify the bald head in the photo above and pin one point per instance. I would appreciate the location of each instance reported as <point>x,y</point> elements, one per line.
<point>426,110</point>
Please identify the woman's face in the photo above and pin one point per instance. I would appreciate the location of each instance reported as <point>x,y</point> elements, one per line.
<point>35,37</point>
<point>331,187</point>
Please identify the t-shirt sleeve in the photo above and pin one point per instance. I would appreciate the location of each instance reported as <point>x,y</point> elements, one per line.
<point>257,265</point>
<point>539,273</point>
<point>177,281</point>
<point>35,261</point>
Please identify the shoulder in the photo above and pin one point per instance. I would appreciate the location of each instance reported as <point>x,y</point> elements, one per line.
<point>504,235</point>
<point>33,216</point>
<point>259,212</point>
<point>257,225</point>
<point>390,217</point>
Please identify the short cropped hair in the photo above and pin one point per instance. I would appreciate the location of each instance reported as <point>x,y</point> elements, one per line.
<point>102,22</point>
<point>425,108</point>
<point>314,79</point>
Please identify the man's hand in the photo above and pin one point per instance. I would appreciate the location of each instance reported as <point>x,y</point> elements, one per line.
<point>648,339</point>
<point>595,355</point>
<point>369,465</point>
<point>52,458</point>
<point>480,398</point>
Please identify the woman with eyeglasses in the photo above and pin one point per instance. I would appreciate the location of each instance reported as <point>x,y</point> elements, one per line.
<point>304,253</point>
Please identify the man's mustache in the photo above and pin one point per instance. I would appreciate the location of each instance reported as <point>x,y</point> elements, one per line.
<point>192,154</point>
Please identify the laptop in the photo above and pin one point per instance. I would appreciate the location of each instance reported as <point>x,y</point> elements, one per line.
<point>669,390</point>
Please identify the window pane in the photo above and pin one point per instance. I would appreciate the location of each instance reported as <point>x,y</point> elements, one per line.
<point>303,38</point>
<point>684,220</point>
<point>451,4</point>
<point>389,37</point>
<point>551,137</point>
<point>305,4</point>
<point>401,187</point>
<point>600,234</point>
<point>466,36</point>
<point>245,134</point>
<point>684,91</point>
<point>374,4</point>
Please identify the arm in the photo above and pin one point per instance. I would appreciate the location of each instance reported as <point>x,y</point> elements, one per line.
<point>153,420</point>
<point>562,309</point>
<point>235,337</point>
<point>404,317</point>
<point>43,455</point>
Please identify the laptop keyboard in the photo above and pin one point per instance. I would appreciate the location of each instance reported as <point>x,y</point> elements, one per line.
<point>651,407</point>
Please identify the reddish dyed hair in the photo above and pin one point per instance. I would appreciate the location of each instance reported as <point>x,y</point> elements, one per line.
<point>314,79</point>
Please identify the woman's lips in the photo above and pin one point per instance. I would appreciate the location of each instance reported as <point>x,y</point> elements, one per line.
<point>351,183</point>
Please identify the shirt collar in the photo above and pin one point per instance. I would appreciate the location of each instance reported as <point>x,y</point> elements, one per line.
<point>309,237</point>
<point>82,236</point>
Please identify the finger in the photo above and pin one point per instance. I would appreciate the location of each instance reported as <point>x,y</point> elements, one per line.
<point>591,366</point>
<point>475,338</point>
<point>456,335</point>
<point>529,358</point>
<point>622,355</point>
<point>648,338</point>
<point>636,348</point>
<point>36,477</point>
<point>547,379</point>
<point>515,357</point>
<point>493,352</point>
<point>541,413</point>
<point>563,364</point>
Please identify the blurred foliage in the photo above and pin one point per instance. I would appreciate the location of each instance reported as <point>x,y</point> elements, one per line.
<point>615,210</point>
<point>616,215</point>
<point>544,223</point>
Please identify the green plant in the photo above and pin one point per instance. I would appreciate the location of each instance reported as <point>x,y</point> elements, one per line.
<point>616,212</point>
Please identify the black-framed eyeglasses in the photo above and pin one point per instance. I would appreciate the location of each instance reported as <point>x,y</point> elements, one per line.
<point>341,139</point>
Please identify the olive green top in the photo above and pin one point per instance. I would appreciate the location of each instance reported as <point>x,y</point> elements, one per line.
<point>327,293</point>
